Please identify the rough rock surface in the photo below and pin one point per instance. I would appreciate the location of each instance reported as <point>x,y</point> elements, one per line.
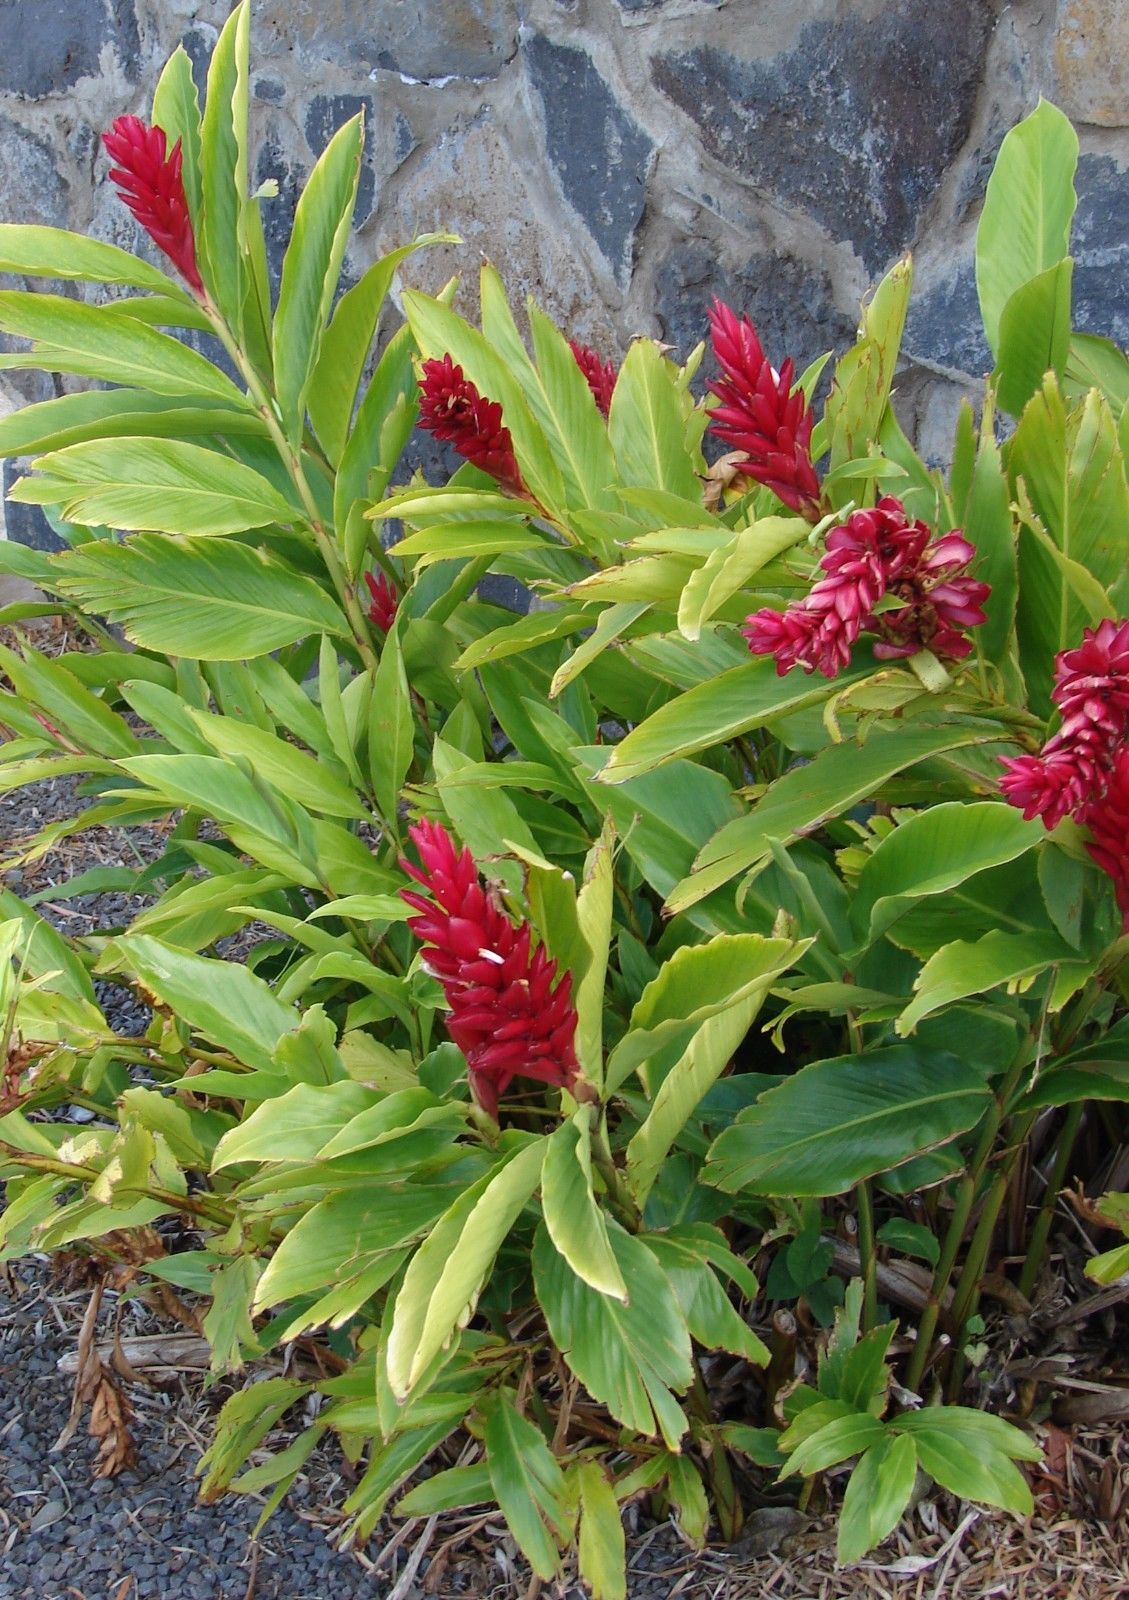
<point>623,160</point>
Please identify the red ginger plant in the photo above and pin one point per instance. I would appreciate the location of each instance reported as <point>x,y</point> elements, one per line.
<point>453,410</point>
<point>874,554</point>
<point>149,178</point>
<point>511,1015</point>
<point>761,414</point>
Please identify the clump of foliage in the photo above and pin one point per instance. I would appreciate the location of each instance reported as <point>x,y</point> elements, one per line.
<point>611,946</point>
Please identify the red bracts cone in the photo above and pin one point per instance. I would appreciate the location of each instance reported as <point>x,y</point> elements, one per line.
<point>383,600</point>
<point>1108,821</point>
<point>873,554</point>
<point>761,414</point>
<point>511,1015</point>
<point>150,181</point>
<point>453,410</point>
<point>600,375</point>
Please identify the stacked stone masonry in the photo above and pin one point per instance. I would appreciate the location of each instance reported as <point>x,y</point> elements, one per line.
<point>623,160</point>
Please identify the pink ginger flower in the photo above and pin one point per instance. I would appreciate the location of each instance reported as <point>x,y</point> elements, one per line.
<point>1071,773</point>
<point>383,600</point>
<point>872,554</point>
<point>1107,818</point>
<point>600,375</point>
<point>761,414</point>
<point>453,410</point>
<point>511,1015</point>
<point>149,178</point>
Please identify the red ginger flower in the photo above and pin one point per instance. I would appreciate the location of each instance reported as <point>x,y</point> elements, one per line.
<point>150,181</point>
<point>761,414</point>
<point>511,1015</point>
<point>1072,771</point>
<point>453,410</point>
<point>872,554</point>
<point>383,600</point>
<point>599,375</point>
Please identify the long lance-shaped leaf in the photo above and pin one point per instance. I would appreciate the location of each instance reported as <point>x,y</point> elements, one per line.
<point>176,109</point>
<point>155,485</point>
<point>446,1275</point>
<point>836,1122</point>
<point>345,346</point>
<point>575,1222</point>
<point>114,413</point>
<point>227,602</point>
<point>745,697</point>
<point>37,252</point>
<point>98,342</point>
<point>311,268</point>
<point>223,167</point>
<point>830,784</point>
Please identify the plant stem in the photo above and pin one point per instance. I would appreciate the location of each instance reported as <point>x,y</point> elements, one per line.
<point>726,1500</point>
<point>868,1255</point>
<point>621,1200</point>
<point>291,458</point>
<point>1039,1234</point>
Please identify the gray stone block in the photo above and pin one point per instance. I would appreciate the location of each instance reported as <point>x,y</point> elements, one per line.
<point>455,39</point>
<point>50,44</point>
<point>600,155</point>
<point>1100,244</point>
<point>855,125</point>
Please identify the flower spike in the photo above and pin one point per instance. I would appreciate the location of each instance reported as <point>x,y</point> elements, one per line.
<point>511,1015</point>
<point>149,178</point>
<point>600,375</point>
<point>453,410</point>
<point>762,414</point>
<point>383,600</point>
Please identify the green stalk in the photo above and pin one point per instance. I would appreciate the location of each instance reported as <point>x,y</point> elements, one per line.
<point>726,1499</point>
<point>1055,1178</point>
<point>291,457</point>
<point>868,1253</point>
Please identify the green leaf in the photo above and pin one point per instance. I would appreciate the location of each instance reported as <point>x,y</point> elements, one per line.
<point>602,1551</point>
<point>836,1441</point>
<point>629,1357</point>
<point>348,1232</point>
<point>36,252</point>
<point>158,485</point>
<point>528,1485</point>
<point>345,346</point>
<point>293,1126</point>
<point>391,732</point>
<point>697,982</point>
<point>877,1494</point>
<point>594,906</point>
<point>311,268</point>
<point>446,1275</point>
<point>223,168</point>
<point>304,780</point>
<point>705,1058</point>
<point>933,851</point>
<point>221,1000</point>
<point>575,1222</point>
<point>710,1315</point>
<point>176,109</point>
<point>728,569</point>
<point>745,697</point>
<point>225,603</point>
<point>51,689</point>
<point>988,524</point>
<point>969,1460</point>
<point>1024,227</point>
<point>452,1490</point>
<point>562,402</point>
<point>227,1326</point>
<point>1034,336</point>
<point>973,966</point>
<point>111,413</point>
<point>646,425</point>
<point>832,782</point>
<point>836,1122</point>
<point>98,342</point>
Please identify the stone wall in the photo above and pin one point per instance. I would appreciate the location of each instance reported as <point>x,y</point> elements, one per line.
<point>622,160</point>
